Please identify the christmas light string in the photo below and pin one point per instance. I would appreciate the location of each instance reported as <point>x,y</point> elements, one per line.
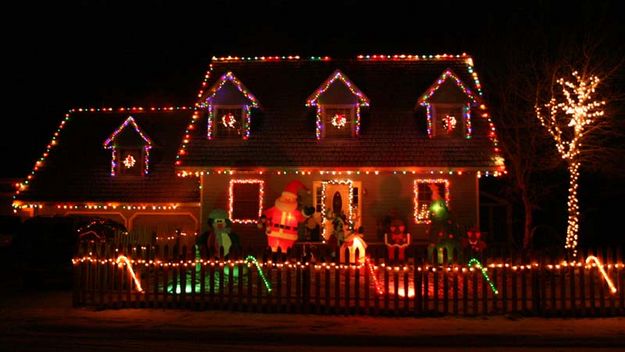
<point>341,172</point>
<point>260,271</point>
<point>592,258</point>
<point>123,260</point>
<point>462,268</point>
<point>475,262</point>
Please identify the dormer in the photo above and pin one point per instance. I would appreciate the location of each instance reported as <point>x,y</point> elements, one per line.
<point>338,103</point>
<point>448,105</point>
<point>130,149</point>
<point>229,106</point>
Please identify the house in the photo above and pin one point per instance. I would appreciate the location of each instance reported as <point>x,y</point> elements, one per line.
<point>370,137</point>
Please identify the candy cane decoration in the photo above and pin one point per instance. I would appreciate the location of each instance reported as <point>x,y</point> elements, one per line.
<point>477,263</point>
<point>123,259</point>
<point>374,278</point>
<point>592,258</point>
<point>260,272</point>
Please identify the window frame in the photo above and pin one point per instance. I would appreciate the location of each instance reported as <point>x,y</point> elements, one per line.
<point>214,121</point>
<point>231,200</point>
<point>420,219</point>
<point>140,161</point>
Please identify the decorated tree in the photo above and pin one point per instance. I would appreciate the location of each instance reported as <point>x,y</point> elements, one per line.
<point>571,114</point>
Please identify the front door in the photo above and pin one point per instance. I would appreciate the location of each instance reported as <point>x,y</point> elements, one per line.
<point>333,197</point>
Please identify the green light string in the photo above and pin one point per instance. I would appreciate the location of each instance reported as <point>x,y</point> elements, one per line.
<point>477,263</point>
<point>260,272</point>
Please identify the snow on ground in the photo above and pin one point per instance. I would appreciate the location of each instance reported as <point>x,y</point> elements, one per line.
<point>31,318</point>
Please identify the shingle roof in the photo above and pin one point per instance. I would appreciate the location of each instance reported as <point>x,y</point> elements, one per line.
<point>393,133</point>
<point>78,167</point>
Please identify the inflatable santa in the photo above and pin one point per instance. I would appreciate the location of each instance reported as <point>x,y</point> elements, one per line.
<point>281,220</point>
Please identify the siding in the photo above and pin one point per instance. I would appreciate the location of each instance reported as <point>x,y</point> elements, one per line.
<point>382,195</point>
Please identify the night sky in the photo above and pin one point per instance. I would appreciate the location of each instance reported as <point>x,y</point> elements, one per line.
<point>102,53</point>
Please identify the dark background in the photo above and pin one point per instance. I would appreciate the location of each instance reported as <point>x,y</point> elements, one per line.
<point>103,53</point>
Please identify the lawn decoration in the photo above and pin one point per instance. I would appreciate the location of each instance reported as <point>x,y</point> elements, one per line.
<point>218,235</point>
<point>260,271</point>
<point>475,262</point>
<point>353,242</point>
<point>442,230</point>
<point>121,260</point>
<point>592,258</point>
<point>396,239</point>
<point>374,278</point>
<point>281,221</point>
<point>474,242</point>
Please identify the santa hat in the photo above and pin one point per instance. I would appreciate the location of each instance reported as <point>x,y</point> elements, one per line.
<point>293,187</point>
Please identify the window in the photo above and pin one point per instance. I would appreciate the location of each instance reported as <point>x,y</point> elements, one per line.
<point>448,120</point>
<point>338,121</point>
<point>246,200</point>
<point>228,122</point>
<point>131,161</point>
<point>425,191</point>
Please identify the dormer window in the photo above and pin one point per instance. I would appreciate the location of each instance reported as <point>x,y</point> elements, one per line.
<point>338,103</point>
<point>130,149</point>
<point>229,106</point>
<point>448,107</point>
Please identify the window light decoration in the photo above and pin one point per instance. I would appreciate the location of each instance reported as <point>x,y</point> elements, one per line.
<point>228,120</point>
<point>129,161</point>
<point>210,104</point>
<point>313,99</point>
<point>577,111</point>
<point>261,196</point>
<point>449,123</point>
<point>109,143</point>
<point>324,185</point>
<point>422,211</point>
<point>339,120</point>
<point>425,101</point>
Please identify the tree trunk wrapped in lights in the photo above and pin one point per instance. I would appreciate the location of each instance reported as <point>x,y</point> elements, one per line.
<point>569,117</point>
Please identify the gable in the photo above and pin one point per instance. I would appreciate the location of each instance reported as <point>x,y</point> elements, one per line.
<point>449,92</point>
<point>229,94</point>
